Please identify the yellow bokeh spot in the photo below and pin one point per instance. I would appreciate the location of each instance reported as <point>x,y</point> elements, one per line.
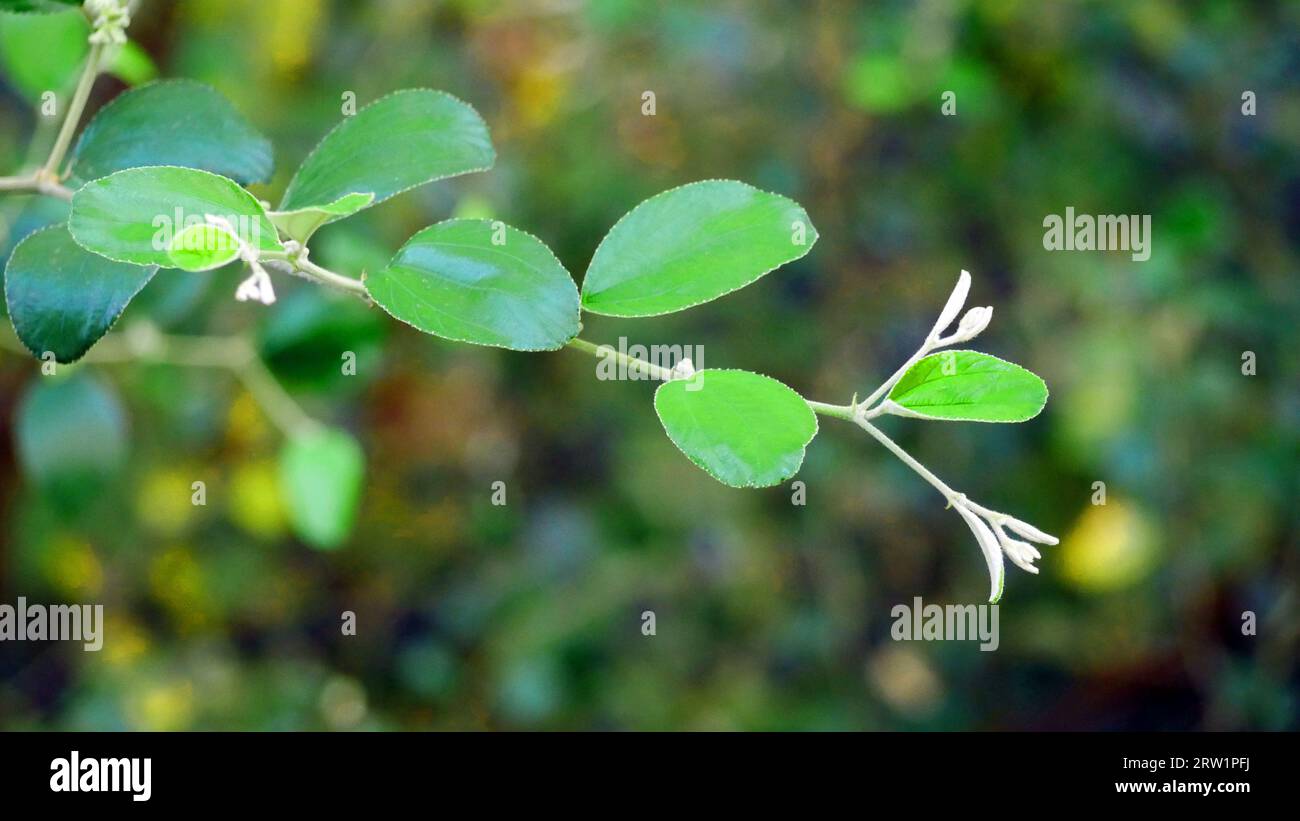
<point>72,567</point>
<point>163,707</point>
<point>536,94</point>
<point>177,581</point>
<point>289,29</point>
<point>164,502</point>
<point>124,642</point>
<point>245,422</point>
<point>254,494</point>
<point>1111,546</point>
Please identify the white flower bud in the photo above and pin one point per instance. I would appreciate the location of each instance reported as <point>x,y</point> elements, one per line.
<point>973,323</point>
<point>257,287</point>
<point>1021,554</point>
<point>989,545</point>
<point>1030,532</point>
<point>956,300</point>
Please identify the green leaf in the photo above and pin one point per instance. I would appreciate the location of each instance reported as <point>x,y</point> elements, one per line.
<point>693,244</point>
<point>967,386</point>
<point>41,6</point>
<point>43,52</point>
<point>176,122</point>
<point>299,225</point>
<point>71,437</point>
<point>321,475</point>
<point>133,65</point>
<point>454,281</point>
<point>133,215</point>
<point>62,298</point>
<point>397,142</point>
<point>744,429</point>
<point>202,248</point>
<point>22,215</point>
<point>318,339</point>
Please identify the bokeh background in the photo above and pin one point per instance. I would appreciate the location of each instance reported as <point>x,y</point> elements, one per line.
<point>770,615</point>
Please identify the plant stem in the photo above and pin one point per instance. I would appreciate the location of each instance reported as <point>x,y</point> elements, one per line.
<point>600,351</point>
<point>844,412</point>
<point>327,277</point>
<point>898,374</point>
<point>143,342</point>
<point>908,459</point>
<point>36,185</point>
<point>73,115</point>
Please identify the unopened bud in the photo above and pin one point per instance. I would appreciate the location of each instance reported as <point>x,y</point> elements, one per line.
<point>973,323</point>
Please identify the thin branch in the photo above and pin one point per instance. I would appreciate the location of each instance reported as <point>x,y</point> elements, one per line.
<point>601,351</point>
<point>36,184</point>
<point>327,277</point>
<point>72,117</point>
<point>143,342</point>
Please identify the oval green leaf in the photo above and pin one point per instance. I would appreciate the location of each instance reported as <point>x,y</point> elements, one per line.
<point>134,215</point>
<point>693,244</point>
<point>405,139</point>
<point>62,298</point>
<point>175,122</point>
<point>968,386</point>
<point>483,282</point>
<point>321,476</point>
<point>744,429</point>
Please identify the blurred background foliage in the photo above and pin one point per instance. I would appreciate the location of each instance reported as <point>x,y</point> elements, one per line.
<point>769,615</point>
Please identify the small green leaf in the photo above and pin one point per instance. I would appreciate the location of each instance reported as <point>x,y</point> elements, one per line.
<point>482,282</point>
<point>321,476</point>
<point>43,52</point>
<point>133,215</point>
<point>71,437</point>
<point>967,386</point>
<point>62,298</point>
<point>744,429</point>
<point>405,139</point>
<point>299,225</point>
<point>202,248</point>
<point>176,122</point>
<point>693,244</point>
<point>133,65</point>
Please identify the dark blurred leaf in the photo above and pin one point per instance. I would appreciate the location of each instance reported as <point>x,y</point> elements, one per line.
<point>306,337</point>
<point>71,437</point>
